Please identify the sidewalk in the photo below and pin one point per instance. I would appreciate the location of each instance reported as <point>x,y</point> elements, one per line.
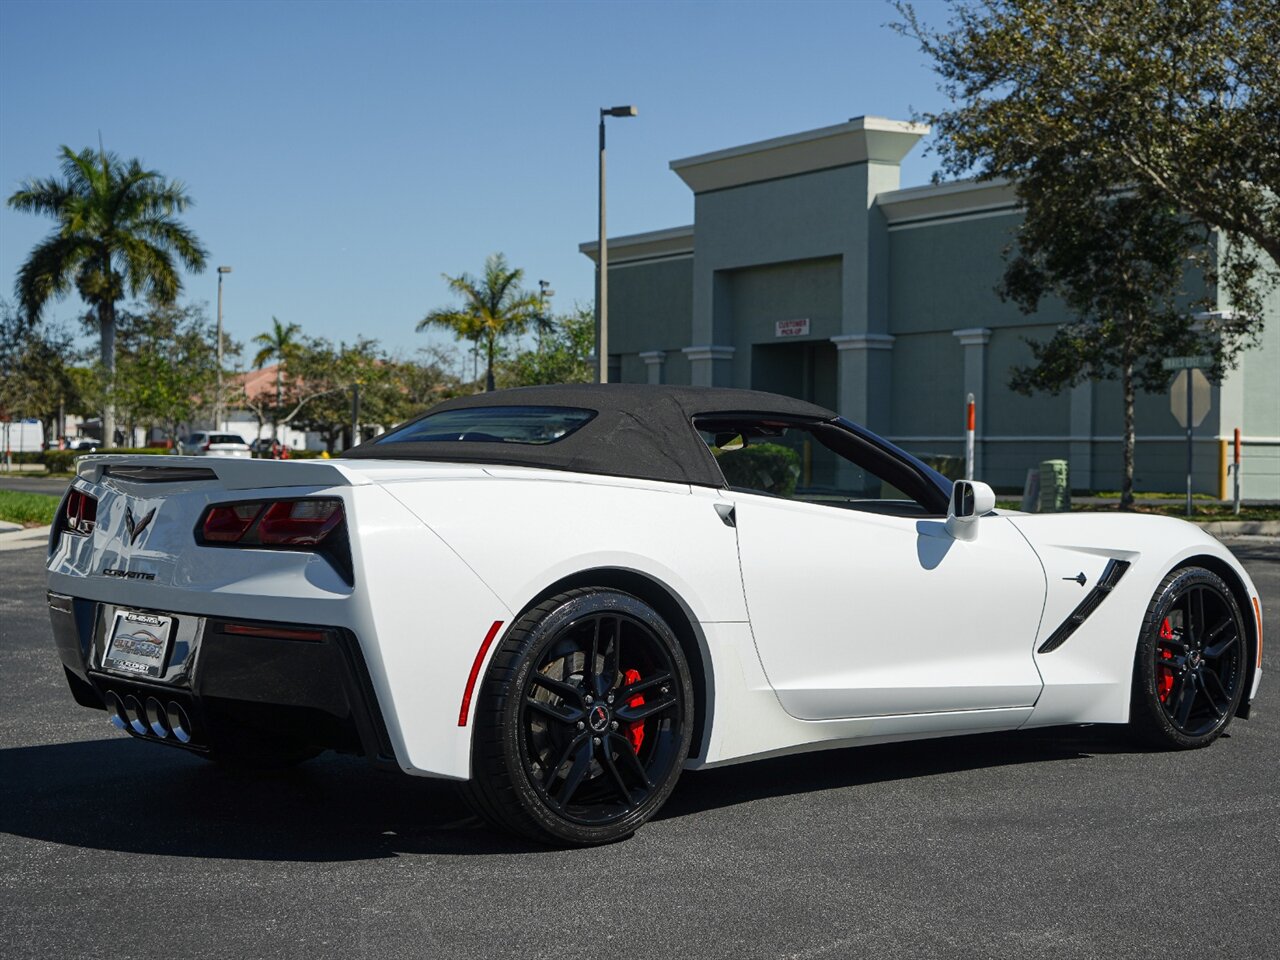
<point>13,536</point>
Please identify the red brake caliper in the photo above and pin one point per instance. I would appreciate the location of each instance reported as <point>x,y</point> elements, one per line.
<point>1164,676</point>
<point>635,729</point>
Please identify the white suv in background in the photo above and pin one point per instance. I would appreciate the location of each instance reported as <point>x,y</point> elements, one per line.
<point>201,444</point>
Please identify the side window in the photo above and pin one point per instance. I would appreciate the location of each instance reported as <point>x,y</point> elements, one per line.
<point>813,463</point>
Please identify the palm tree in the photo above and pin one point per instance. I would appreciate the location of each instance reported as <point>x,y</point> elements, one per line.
<point>280,343</point>
<point>493,307</point>
<point>117,233</point>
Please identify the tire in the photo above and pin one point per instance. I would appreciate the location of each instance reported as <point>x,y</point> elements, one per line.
<point>583,722</point>
<point>1190,666</point>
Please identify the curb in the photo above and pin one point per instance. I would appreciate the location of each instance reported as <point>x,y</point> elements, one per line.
<point>1237,528</point>
<point>23,537</point>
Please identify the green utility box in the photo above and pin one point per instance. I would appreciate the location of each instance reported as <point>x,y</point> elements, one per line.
<point>1055,486</point>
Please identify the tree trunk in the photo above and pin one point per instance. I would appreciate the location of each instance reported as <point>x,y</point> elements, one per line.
<point>1130,438</point>
<point>488,377</point>
<point>107,323</point>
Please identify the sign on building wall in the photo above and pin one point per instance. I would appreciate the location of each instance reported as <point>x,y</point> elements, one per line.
<point>791,328</point>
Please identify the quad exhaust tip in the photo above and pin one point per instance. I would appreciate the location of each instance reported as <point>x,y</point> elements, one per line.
<point>162,720</point>
<point>133,713</point>
<point>115,710</point>
<point>157,718</point>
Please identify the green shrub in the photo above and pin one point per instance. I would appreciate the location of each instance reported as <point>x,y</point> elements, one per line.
<point>769,467</point>
<point>59,461</point>
<point>28,509</point>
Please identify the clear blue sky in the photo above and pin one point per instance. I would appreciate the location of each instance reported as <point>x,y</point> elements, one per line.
<point>343,155</point>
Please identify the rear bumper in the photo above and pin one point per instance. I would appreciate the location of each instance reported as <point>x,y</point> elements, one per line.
<point>288,683</point>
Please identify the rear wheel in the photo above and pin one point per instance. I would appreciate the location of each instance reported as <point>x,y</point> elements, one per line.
<point>584,720</point>
<point>1190,668</point>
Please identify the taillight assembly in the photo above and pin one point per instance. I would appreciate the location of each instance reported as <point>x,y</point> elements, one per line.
<point>79,513</point>
<point>314,523</point>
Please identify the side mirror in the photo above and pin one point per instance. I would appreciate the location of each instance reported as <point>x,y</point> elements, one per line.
<point>969,501</point>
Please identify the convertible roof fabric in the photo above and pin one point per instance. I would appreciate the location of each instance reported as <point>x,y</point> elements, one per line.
<point>639,430</point>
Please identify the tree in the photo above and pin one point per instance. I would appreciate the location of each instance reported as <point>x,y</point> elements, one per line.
<point>493,307</point>
<point>1065,100</point>
<point>562,357</point>
<point>280,343</point>
<point>117,234</point>
<point>36,378</point>
<point>327,378</point>
<point>1183,98</point>
<point>167,368</point>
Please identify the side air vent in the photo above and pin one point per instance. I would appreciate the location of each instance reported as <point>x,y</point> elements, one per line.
<point>1115,569</point>
<point>136,474</point>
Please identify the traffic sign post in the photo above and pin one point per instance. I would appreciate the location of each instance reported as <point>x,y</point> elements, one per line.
<point>1189,400</point>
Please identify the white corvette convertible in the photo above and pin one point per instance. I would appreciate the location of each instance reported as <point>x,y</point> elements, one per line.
<point>563,596</point>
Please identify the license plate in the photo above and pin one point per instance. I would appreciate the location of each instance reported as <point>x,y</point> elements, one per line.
<point>139,643</point>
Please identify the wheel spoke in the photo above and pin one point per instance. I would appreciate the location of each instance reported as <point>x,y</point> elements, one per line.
<point>631,761</point>
<point>1186,699</point>
<point>1212,635</point>
<point>1222,646</point>
<point>606,755</point>
<point>565,755</point>
<point>563,714</point>
<point>565,691</point>
<point>1195,615</point>
<point>612,658</point>
<point>645,710</point>
<point>581,764</point>
<point>1210,680</point>
<point>626,694</point>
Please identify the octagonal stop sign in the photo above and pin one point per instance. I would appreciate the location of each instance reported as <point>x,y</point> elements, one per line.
<point>1199,397</point>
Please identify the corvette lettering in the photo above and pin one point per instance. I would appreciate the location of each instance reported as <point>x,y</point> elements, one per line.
<point>127,574</point>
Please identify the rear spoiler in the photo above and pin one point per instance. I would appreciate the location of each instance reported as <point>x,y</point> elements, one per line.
<point>230,473</point>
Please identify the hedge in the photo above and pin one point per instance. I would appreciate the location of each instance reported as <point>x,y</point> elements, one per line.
<point>770,467</point>
<point>60,461</point>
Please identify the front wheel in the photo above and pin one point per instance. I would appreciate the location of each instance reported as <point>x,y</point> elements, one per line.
<point>1190,668</point>
<point>584,720</point>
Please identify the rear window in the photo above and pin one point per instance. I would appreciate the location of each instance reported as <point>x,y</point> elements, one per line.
<point>537,425</point>
<point>225,438</point>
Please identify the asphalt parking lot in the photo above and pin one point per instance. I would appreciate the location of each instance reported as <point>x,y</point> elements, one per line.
<point>1064,843</point>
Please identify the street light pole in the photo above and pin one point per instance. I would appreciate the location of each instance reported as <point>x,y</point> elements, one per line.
<point>544,291</point>
<point>602,265</point>
<point>217,402</point>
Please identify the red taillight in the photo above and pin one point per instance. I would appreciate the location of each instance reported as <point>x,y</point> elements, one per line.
<point>81,512</point>
<point>272,523</point>
<point>299,522</point>
<point>206,446</point>
<point>228,524</point>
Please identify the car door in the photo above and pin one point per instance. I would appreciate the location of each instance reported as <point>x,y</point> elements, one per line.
<point>863,605</point>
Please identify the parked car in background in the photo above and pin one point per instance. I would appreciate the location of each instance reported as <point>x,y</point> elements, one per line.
<point>81,443</point>
<point>201,444</point>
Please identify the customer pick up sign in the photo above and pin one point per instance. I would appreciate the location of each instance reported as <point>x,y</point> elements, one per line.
<point>791,328</point>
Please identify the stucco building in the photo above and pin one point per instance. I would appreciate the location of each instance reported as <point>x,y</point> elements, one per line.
<point>810,271</point>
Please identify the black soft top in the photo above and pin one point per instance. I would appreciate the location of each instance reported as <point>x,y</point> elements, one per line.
<point>639,430</point>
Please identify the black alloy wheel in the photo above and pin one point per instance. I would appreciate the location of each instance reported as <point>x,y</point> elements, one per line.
<point>583,723</point>
<point>1191,663</point>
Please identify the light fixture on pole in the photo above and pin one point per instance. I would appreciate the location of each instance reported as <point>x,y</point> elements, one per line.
<point>544,291</point>
<point>217,402</point>
<point>602,265</point>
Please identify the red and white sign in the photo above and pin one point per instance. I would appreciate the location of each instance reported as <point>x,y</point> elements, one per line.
<point>791,328</point>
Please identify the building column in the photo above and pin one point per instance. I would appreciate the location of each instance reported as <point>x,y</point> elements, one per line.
<point>1080,448</point>
<point>653,360</point>
<point>974,340</point>
<point>862,375</point>
<point>710,365</point>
